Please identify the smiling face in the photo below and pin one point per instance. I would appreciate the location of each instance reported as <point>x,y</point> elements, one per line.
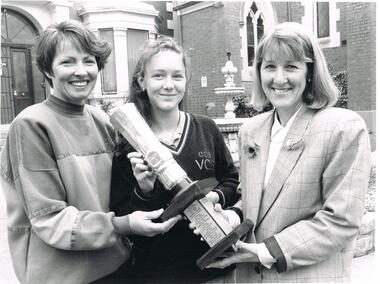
<point>164,80</point>
<point>283,80</point>
<point>74,74</point>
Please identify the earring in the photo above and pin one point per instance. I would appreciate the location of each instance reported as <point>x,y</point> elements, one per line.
<point>309,80</point>
<point>143,89</point>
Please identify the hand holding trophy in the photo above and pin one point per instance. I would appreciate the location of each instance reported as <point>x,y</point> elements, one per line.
<point>188,197</point>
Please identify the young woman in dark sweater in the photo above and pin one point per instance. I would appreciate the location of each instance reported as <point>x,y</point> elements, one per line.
<point>196,143</point>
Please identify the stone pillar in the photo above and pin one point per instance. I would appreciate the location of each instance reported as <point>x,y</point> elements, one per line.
<point>59,10</point>
<point>121,59</point>
<point>97,92</point>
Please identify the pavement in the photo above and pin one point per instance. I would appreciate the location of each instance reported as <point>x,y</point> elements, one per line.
<point>363,268</point>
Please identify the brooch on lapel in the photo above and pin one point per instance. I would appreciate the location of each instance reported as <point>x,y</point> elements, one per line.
<point>290,144</point>
<point>252,150</point>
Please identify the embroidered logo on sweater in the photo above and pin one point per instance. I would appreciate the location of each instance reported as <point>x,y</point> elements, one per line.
<point>205,161</point>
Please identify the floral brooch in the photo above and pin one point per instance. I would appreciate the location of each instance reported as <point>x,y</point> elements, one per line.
<point>292,144</point>
<point>252,150</point>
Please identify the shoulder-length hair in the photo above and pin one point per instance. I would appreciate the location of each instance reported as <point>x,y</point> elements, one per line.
<point>291,40</point>
<point>139,96</point>
<point>72,32</point>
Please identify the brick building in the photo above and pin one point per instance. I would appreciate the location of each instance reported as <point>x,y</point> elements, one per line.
<point>125,24</point>
<point>208,30</point>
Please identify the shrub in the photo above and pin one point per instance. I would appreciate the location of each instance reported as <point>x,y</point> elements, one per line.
<point>243,109</point>
<point>340,79</point>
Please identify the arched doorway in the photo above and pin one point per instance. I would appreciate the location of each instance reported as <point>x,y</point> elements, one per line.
<point>18,36</point>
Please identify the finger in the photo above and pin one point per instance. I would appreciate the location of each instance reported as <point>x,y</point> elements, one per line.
<point>154,214</point>
<point>196,232</point>
<point>234,248</point>
<point>213,197</point>
<point>171,222</point>
<point>222,263</point>
<point>235,258</point>
<point>136,161</point>
<point>191,226</point>
<point>134,155</point>
<point>244,247</point>
<point>218,207</point>
<point>163,227</point>
<point>142,168</point>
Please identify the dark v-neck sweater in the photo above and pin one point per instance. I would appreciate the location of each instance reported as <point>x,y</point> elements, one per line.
<point>171,257</point>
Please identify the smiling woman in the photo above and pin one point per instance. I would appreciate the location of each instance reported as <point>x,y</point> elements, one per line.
<point>74,74</point>
<point>158,86</point>
<point>304,168</point>
<point>56,171</point>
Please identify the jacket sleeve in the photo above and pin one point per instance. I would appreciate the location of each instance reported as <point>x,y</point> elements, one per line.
<point>226,172</point>
<point>344,181</point>
<point>42,193</point>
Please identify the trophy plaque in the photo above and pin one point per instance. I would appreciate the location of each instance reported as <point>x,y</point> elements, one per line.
<point>188,197</point>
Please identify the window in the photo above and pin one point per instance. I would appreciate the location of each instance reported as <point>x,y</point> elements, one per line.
<point>135,39</point>
<point>15,28</point>
<point>255,30</point>
<point>323,19</point>
<point>108,74</point>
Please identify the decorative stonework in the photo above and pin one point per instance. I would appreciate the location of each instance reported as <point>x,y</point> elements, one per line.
<point>229,90</point>
<point>230,128</point>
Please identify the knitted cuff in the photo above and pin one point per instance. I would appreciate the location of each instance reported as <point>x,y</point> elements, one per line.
<point>222,199</point>
<point>237,211</point>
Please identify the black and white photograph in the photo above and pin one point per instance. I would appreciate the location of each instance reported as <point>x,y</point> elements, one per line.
<point>188,141</point>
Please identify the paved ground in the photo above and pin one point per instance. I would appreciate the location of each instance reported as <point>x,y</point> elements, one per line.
<point>363,268</point>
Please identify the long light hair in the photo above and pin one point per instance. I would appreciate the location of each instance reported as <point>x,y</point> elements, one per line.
<point>147,51</point>
<point>291,40</point>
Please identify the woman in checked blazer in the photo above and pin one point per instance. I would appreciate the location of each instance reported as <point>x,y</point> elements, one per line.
<point>304,168</point>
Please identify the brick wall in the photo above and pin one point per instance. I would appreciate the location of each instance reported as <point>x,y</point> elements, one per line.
<point>207,37</point>
<point>3,134</point>
<point>361,49</point>
<point>209,33</point>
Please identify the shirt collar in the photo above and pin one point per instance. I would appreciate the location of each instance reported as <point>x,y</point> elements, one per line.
<point>277,128</point>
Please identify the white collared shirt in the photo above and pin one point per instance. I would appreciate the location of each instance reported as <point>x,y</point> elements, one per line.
<point>278,135</point>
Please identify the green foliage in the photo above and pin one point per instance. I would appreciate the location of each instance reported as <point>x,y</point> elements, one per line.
<point>105,105</point>
<point>243,109</point>
<point>340,79</point>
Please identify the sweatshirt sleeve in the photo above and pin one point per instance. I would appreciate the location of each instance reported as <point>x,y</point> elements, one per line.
<point>43,195</point>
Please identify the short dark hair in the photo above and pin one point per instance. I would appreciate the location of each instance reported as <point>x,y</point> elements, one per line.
<point>75,33</point>
<point>151,47</point>
<point>292,39</point>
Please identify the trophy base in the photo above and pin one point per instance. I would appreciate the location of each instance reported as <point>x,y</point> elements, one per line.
<point>212,254</point>
<point>186,195</point>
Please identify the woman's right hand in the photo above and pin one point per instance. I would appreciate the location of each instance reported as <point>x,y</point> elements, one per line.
<point>141,223</point>
<point>143,174</point>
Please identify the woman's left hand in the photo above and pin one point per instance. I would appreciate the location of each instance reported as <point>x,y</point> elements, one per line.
<point>246,253</point>
<point>232,218</point>
<point>214,198</point>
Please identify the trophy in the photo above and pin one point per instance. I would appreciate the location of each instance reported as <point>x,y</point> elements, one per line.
<point>187,196</point>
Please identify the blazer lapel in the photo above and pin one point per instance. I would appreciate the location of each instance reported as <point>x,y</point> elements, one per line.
<point>256,151</point>
<point>290,152</point>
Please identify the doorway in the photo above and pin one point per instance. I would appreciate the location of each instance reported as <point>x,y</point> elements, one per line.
<point>18,36</point>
